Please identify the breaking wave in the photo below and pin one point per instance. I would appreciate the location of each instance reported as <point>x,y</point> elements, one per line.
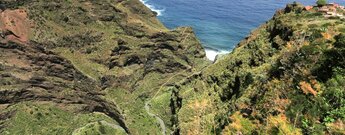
<point>153,8</point>
<point>211,54</point>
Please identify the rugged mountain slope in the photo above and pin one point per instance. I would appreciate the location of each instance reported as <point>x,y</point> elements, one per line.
<point>110,67</point>
<point>287,77</point>
<point>31,76</point>
<point>87,66</point>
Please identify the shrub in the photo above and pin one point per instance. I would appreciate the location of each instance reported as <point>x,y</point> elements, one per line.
<point>342,30</point>
<point>313,14</point>
<point>315,34</point>
<point>326,25</point>
<point>321,3</point>
<point>334,17</point>
<point>280,124</point>
<point>2,67</point>
<point>310,50</point>
<point>340,41</point>
<point>335,97</point>
<point>90,50</point>
<point>338,22</point>
<point>239,124</point>
<point>295,7</point>
<point>313,26</point>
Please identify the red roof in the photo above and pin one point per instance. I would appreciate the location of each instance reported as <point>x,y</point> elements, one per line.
<point>308,8</point>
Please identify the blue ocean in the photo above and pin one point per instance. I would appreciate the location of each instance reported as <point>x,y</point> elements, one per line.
<point>219,24</point>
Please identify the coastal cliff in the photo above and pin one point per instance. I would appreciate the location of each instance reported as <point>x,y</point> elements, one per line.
<point>110,67</point>
<point>286,77</point>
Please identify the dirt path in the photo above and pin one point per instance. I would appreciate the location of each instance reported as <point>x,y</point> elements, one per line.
<point>159,120</point>
<point>147,103</point>
<point>148,106</point>
<point>185,37</point>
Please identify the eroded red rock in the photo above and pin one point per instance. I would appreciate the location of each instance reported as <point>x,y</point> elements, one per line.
<point>14,26</point>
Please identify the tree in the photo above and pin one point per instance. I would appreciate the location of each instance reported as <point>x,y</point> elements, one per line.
<point>321,2</point>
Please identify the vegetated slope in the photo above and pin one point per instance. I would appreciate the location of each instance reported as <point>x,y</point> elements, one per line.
<point>85,66</point>
<point>89,67</point>
<point>31,76</point>
<point>286,77</point>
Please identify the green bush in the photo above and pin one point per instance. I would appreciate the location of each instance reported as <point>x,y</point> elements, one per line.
<point>340,41</point>
<point>342,30</point>
<point>313,26</point>
<point>2,67</point>
<point>326,25</point>
<point>338,22</point>
<point>330,60</point>
<point>334,96</point>
<point>310,50</point>
<point>316,33</point>
<point>312,14</point>
<point>321,2</point>
<point>334,17</point>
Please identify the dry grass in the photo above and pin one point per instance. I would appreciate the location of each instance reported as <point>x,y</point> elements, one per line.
<point>281,123</point>
<point>337,127</point>
<point>326,35</point>
<point>307,88</point>
<point>239,125</point>
<point>199,107</point>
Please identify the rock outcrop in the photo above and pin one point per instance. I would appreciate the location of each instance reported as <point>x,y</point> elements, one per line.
<point>14,26</point>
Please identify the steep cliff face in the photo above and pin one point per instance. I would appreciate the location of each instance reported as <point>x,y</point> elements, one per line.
<point>286,77</point>
<point>87,67</point>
